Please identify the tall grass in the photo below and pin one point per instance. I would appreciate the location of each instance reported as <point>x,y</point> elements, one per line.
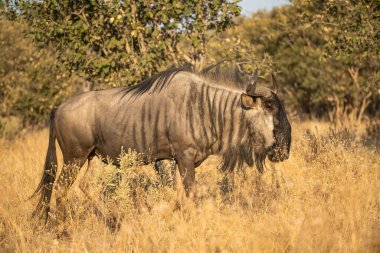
<point>325,198</point>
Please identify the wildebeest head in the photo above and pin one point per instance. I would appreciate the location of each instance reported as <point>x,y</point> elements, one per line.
<point>275,129</point>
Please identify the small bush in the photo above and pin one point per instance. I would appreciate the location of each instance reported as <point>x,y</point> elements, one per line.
<point>372,135</point>
<point>329,143</point>
<point>135,185</point>
<point>31,82</point>
<point>10,127</point>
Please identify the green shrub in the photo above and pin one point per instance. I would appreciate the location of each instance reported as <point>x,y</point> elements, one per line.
<point>10,126</point>
<point>31,83</point>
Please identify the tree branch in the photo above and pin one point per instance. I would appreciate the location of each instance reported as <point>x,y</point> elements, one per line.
<point>140,36</point>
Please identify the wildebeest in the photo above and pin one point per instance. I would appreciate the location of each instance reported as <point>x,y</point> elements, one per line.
<point>176,114</point>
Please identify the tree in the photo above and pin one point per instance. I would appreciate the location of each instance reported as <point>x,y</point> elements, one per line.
<point>353,38</point>
<point>318,76</point>
<point>121,42</point>
<point>30,83</point>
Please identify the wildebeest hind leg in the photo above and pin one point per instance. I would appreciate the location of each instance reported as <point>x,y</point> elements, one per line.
<point>100,210</point>
<point>65,181</point>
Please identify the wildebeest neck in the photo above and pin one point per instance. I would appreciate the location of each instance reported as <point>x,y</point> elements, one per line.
<point>219,121</point>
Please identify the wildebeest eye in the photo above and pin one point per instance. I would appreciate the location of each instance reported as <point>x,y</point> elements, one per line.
<point>269,106</point>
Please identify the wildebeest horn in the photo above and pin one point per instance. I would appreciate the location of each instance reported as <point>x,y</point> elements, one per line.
<point>255,91</point>
<point>252,83</point>
<point>262,92</point>
<point>274,84</point>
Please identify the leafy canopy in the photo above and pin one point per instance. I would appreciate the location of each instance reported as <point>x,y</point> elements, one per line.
<point>122,42</point>
<point>327,53</point>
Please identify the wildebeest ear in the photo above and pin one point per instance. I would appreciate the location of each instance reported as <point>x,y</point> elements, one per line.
<point>248,102</point>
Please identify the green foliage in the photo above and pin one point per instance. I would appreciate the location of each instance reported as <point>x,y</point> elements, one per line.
<point>10,126</point>
<point>325,53</point>
<point>327,66</point>
<point>108,43</point>
<point>30,83</point>
<point>354,27</point>
<point>122,42</point>
<point>231,47</point>
<point>352,39</point>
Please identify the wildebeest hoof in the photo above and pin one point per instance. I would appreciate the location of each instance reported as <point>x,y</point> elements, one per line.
<point>113,223</point>
<point>64,235</point>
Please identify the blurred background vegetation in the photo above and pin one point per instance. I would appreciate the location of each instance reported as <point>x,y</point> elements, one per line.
<point>325,53</point>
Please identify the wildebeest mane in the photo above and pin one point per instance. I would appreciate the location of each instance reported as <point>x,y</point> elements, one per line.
<point>228,76</point>
<point>155,83</point>
<point>218,74</point>
<point>236,156</point>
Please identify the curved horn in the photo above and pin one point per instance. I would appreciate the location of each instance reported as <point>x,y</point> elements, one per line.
<point>274,87</point>
<point>252,83</point>
<point>262,92</point>
<point>255,91</point>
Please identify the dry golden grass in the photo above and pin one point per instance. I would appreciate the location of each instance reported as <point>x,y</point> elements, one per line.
<point>325,198</point>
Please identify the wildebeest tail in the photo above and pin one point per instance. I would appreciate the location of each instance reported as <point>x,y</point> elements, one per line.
<point>45,187</point>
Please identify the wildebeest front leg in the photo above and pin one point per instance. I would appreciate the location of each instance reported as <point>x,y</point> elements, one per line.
<point>187,172</point>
